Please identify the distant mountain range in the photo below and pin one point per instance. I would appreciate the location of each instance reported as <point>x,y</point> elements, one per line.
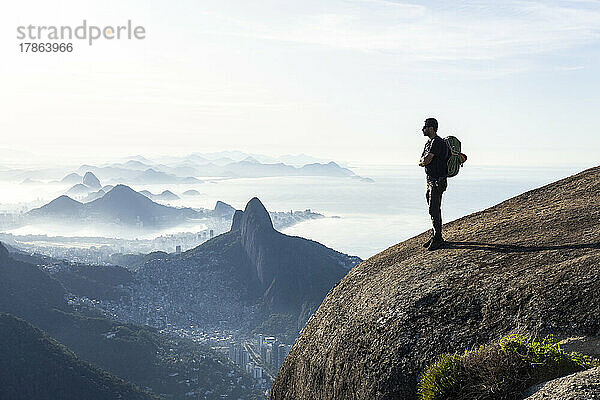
<point>124,206</point>
<point>121,205</point>
<point>226,157</point>
<point>172,170</point>
<point>187,169</point>
<point>136,173</point>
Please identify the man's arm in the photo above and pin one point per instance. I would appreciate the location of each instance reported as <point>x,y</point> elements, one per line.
<point>426,159</point>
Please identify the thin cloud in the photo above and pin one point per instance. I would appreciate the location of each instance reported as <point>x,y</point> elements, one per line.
<point>567,68</point>
<point>469,30</point>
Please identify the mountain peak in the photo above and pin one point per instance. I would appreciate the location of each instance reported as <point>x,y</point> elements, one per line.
<point>62,203</point>
<point>120,188</point>
<point>62,206</point>
<point>168,195</point>
<point>256,215</point>
<point>223,209</point>
<point>72,178</point>
<point>63,199</point>
<point>251,159</point>
<point>89,179</point>
<point>291,274</point>
<point>122,194</point>
<point>254,218</point>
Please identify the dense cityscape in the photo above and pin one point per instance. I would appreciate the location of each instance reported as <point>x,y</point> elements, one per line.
<point>259,355</point>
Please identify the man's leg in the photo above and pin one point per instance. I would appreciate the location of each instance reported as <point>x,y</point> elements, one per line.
<point>428,198</point>
<point>441,187</point>
<point>436,189</point>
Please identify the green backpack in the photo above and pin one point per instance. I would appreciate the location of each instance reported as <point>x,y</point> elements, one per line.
<point>456,159</point>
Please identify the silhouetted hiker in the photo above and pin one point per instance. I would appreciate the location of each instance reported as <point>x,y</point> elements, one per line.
<point>434,159</point>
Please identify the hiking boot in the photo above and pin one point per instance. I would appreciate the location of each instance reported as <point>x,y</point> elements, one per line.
<point>435,244</point>
<point>427,243</point>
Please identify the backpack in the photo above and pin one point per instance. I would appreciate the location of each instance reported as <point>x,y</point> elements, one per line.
<point>456,159</point>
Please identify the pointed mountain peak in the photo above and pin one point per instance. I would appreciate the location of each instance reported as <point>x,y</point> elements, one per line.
<point>62,205</point>
<point>89,179</point>
<point>63,199</point>
<point>120,188</point>
<point>255,214</point>
<point>121,192</point>
<point>62,202</point>
<point>168,195</point>
<point>72,178</point>
<point>223,209</point>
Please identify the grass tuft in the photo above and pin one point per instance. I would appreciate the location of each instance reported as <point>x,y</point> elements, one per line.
<point>500,370</point>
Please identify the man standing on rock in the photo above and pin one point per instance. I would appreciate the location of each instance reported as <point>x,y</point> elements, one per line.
<point>434,159</point>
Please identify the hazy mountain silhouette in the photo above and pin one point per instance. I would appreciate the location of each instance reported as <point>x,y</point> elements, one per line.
<point>78,189</point>
<point>191,192</point>
<point>329,169</point>
<point>140,158</point>
<point>134,164</point>
<point>120,205</point>
<point>166,195</point>
<point>72,178</point>
<point>120,173</point>
<point>61,207</point>
<point>229,164</point>
<point>152,176</point>
<point>90,180</point>
<point>223,209</point>
<point>132,173</point>
<point>251,159</point>
<point>129,206</point>
<point>30,181</point>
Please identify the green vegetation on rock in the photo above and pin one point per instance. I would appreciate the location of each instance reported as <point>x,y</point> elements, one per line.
<point>500,370</point>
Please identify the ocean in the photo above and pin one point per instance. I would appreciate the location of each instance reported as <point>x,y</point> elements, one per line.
<point>362,218</point>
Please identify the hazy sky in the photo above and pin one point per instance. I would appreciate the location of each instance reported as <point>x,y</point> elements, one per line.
<point>517,81</point>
